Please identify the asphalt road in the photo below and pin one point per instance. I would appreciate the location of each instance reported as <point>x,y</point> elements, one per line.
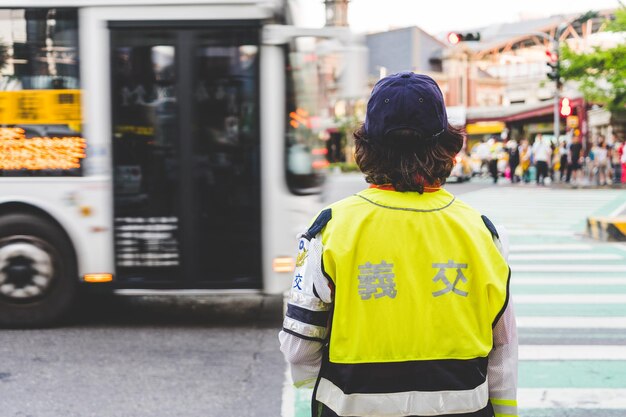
<point>148,356</point>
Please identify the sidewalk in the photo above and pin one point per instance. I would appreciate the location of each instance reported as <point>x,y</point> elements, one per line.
<point>588,186</point>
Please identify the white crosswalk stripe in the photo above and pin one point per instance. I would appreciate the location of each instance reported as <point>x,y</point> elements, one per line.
<point>526,232</point>
<point>572,352</point>
<point>549,281</point>
<point>570,299</point>
<point>571,322</point>
<point>565,257</point>
<point>550,247</point>
<point>585,398</point>
<point>570,267</point>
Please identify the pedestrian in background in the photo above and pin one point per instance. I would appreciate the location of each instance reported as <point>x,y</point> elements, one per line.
<point>525,154</point>
<point>512,148</point>
<point>483,153</point>
<point>600,161</point>
<point>562,161</point>
<point>616,155</point>
<point>574,161</point>
<point>542,154</point>
<point>623,160</point>
<point>422,322</point>
<point>494,156</point>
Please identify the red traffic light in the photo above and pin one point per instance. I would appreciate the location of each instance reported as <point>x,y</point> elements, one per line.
<point>454,38</point>
<point>565,108</point>
<point>552,56</point>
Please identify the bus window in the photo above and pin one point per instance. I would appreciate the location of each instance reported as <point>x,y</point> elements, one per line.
<point>186,155</point>
<point>145,151</point>
<point>40,114</point>
<point>226,149</point>
<point>304,162</point>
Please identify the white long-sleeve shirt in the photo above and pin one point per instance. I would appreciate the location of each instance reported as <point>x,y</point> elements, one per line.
<point>305,356</point>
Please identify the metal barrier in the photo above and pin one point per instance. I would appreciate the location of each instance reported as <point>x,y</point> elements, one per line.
<point>607,228</point>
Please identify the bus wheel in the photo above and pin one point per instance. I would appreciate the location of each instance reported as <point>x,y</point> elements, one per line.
<point>38,276</point>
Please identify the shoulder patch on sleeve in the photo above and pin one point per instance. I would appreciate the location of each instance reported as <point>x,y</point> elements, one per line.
<point>490,226</point>
<point>322,219</point>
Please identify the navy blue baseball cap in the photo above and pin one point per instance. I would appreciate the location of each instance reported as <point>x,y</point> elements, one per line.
<point>406,101</point>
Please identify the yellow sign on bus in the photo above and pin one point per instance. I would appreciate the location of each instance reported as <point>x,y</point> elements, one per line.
<point>40,107</point>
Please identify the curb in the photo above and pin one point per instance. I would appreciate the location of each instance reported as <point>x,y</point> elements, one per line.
<point>567,186</point>
<point>607,228</point>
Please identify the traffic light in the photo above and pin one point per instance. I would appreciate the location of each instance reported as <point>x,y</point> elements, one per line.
<point>565,109</point>
<point>456,37</point>
<point>555,67</point>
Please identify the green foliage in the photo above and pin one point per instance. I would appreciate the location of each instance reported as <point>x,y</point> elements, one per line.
<point>619,24</point>
<point>601,73</point>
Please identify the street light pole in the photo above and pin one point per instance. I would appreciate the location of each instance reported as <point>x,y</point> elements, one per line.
<point>557,80</point>
<point>557,92</point>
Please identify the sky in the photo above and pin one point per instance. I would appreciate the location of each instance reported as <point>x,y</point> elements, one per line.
<point>437,16</point>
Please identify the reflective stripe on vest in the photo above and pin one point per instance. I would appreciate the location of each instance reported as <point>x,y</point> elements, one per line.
<point>399,404</point>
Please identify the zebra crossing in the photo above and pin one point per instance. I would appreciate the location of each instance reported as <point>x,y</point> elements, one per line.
<point>569,294</point>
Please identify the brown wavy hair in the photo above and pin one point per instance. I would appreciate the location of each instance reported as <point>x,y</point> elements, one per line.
<point>406,161</point>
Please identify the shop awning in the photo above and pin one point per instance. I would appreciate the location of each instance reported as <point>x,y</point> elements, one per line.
<point>507,114</point>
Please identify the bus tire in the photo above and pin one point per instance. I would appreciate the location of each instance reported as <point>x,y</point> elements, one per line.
<point>38,272</point>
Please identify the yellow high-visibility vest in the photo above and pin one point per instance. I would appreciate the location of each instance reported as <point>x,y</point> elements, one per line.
<point>418,285</point>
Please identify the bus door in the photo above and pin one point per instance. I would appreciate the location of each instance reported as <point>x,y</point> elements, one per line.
<point>186,155</point>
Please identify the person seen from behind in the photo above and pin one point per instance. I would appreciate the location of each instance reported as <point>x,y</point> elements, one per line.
<point>542,155</point>
<point>575,160</point>
<point>400,301</point>
<point>525,153</point>
<point>494,156</point>
<point>562,161</point>
<point>512,149</point>
<point>616,154</point>
<point>600,161</point>
<point>483,153</point>
<point>622,158</point>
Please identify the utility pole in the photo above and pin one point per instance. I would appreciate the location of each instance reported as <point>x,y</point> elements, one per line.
<point>554,62</point>
<point>557,89</point>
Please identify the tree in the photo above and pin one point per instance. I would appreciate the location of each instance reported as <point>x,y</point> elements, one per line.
<point>601,72</point>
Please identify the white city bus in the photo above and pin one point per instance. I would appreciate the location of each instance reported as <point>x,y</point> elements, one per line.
<point>147,146</point>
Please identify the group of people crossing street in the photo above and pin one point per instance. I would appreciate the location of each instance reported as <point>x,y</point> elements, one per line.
<point>543,161</point>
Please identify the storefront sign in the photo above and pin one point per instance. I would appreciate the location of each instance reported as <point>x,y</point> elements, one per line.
<point>480,128</point>
<point>540,128</point>
<point>572,122</point>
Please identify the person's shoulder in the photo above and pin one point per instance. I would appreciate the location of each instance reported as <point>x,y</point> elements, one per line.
<point>344,203</point>
<point>460,204</point>
<point>339,205</point>
<point>325,215</point>
<point>478,217</point>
